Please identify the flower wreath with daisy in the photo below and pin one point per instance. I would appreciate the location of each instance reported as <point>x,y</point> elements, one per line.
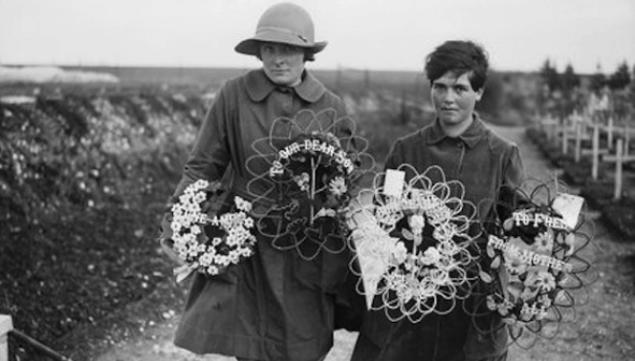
<point>205,241</point>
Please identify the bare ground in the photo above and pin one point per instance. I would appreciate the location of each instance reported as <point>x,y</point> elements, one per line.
<point>603,329</point>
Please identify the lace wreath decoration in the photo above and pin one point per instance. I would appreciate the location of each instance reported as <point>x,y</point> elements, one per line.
<point>412,245</point>
<point>534,263</point>
<point>312,162</point>
<point>209,243</point>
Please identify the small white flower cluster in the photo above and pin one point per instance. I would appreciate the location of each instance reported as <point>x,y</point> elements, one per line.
<point>428,270</point>
<point>191,243</point>
<point>303,181</point>
<point>416,223</point>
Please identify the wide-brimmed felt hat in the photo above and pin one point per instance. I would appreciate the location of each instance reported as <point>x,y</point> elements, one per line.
<point>284,23</point>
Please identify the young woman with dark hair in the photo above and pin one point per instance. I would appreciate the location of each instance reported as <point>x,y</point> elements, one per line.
<point>467,150</point>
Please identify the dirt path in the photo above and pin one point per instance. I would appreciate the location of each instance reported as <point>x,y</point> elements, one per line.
<point>604,328</point>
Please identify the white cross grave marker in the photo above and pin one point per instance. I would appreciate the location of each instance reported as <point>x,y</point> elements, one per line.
<point>619,158</point>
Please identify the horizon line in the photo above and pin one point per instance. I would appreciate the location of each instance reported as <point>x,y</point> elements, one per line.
<point>172,66</point>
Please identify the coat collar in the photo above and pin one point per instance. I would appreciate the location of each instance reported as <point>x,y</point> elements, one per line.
<point>471,136</point>
<point>259,86</point>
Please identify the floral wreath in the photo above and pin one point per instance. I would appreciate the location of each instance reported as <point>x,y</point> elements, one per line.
<point>205,241</point>
<point>532,266</point>
<point>313,161</point>
<point>413,249</point>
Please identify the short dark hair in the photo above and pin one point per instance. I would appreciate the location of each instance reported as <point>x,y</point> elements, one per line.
<point>459,57</point>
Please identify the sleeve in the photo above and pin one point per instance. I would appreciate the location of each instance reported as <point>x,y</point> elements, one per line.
<point>513,176</point>
<point>208,159</point>
<point>395,156</point>
<point>210,154</point>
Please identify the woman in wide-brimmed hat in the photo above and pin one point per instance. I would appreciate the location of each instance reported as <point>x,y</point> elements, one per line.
<point>274,305</point>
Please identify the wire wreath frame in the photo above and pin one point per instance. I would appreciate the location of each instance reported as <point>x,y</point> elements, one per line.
<point>534,270</point>
<point>314,161</point>
<point>413,252</point>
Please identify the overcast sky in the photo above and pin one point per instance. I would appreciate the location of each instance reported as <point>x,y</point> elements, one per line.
<point>364,34</point>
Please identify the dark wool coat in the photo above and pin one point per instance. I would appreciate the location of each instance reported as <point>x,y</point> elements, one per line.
<point>274,305</point>
<point>484,163</point>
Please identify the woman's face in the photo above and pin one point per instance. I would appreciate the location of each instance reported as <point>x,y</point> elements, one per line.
<point>282,63</point>
<point>454,98</point>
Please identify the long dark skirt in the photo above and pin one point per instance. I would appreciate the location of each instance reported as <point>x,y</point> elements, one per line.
<point>273,306</point>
